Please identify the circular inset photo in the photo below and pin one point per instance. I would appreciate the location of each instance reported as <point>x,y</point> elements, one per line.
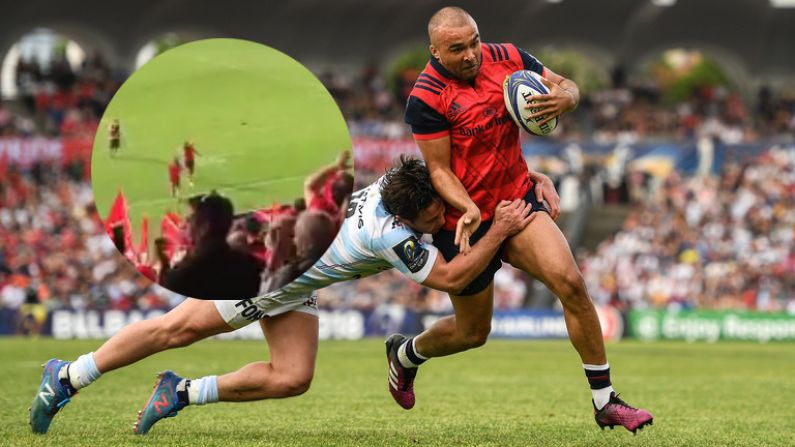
<point>222,169</point>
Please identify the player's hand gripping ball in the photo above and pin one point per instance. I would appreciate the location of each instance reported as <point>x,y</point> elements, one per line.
<point>518,91</point>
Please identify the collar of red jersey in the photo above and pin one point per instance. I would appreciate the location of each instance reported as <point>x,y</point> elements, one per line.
<point>441,70</point>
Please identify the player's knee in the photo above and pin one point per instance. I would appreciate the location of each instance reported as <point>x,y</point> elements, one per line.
<point>295,385</point>
<point>477,337</point>
<point>571,289</point>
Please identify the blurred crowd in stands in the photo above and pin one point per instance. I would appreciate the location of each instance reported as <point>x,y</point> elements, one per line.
<point>725,242</point>
<point>689,241</point>
<point>54,250</point>
<point>57,100</point>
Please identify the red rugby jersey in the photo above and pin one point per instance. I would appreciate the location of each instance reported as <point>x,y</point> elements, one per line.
<point>173,172</point>
<point>189,152</point>
<point>485,152</point>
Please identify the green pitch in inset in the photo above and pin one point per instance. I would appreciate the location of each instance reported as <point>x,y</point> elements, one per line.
<point>260,123</point>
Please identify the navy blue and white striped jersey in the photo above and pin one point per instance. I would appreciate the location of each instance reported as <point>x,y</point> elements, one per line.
<point>370,241</point>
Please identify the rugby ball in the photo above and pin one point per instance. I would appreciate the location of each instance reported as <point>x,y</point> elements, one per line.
<point>518,90</point>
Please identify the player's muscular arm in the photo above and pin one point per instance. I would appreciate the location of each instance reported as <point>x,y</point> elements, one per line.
<point>509,219</point>
<point>437,157</point>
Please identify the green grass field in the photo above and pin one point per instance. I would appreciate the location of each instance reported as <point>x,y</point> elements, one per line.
<point>506,393</point>
<point>260,120</point>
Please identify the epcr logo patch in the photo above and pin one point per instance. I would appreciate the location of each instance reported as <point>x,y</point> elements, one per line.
<point>409,249</point>
<point>412,253</point>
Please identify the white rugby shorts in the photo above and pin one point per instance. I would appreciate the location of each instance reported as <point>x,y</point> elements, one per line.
<point>239,313</point>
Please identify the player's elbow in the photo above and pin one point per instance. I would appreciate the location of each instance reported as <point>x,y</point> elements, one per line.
<point>453,283</point>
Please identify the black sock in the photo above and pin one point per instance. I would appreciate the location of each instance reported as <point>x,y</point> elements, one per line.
<point>182,394</point>
<point>598,379</point>
<point>412,355</point>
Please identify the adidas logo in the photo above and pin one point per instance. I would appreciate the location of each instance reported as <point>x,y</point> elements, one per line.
<point>392,376</point>
<point>454,110</point>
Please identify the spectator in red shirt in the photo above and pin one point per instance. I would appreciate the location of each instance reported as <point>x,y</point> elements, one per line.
<point>327,189</point>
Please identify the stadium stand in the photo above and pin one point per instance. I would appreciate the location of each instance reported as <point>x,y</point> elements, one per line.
<point>54,251</point>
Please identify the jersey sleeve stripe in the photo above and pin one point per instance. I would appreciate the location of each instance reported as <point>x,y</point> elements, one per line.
<point>498,51</point>
<point>491,50</point>
<point>436,92</point>
<point>432,80</point>
<point>427,83</point>
<point>431,136</point>
<point>503,51</point>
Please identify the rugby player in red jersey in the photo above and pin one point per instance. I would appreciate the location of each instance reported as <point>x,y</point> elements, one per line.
<point>189,155</point>
<point>173,176</point>
<point>471,147</point>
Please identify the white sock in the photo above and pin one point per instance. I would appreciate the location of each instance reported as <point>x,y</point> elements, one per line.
<point>403,359</point>
<point>82,372</point>
<point>601,396</point>
<point>202,391</point>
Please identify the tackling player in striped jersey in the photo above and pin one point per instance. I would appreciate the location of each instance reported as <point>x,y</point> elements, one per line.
<point>383,229</point>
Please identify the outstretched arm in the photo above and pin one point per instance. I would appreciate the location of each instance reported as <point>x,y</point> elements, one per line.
<point>452,277</point>
<point>314,183</point>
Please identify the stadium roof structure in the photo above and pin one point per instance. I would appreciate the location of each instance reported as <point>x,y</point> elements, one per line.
<point>751,39</point>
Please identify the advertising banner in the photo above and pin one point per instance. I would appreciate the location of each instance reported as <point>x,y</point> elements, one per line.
<point>344,324</point>
<point>711,325</point>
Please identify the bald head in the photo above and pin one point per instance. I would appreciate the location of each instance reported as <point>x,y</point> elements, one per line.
<point>448,17</point>
<point>455,42</point>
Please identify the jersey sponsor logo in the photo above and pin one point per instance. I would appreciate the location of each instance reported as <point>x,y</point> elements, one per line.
<point>357,198</point>
<point>250,310</point>
<point>412,253</point>
<point>495,121</point>
<point>477,130</point>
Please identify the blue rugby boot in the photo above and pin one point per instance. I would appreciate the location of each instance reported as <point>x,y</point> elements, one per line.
<point>163,403</point>
<point>52,395</point>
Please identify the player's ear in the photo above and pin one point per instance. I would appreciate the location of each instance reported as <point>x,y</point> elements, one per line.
<point>434,52</point>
